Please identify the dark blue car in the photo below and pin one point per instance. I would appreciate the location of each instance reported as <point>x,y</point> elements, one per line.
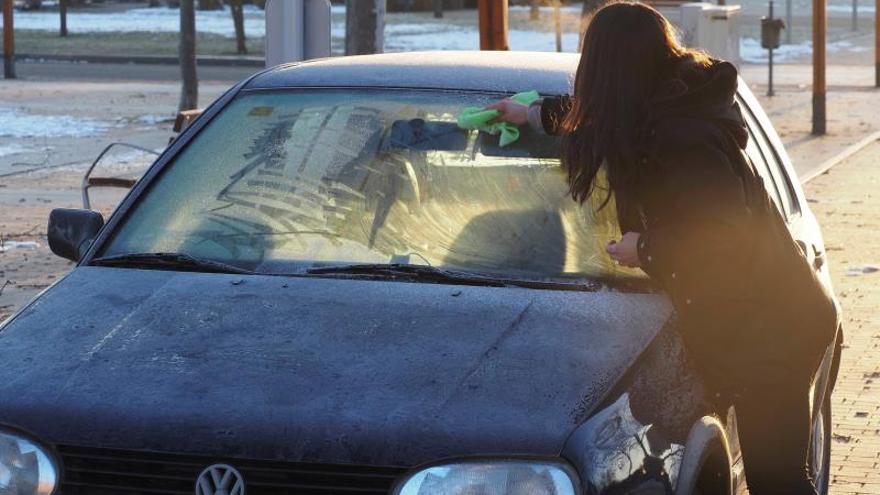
<point>323,286</point>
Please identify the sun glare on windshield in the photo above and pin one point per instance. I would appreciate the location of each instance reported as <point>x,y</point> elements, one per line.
<point>284,181</point>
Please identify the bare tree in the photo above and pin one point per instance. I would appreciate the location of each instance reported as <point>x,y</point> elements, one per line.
<point>534,10</point>
<point>62,9</point>
<point>364,26</point>
<point>438,9</point>
<point>235,6</point>
<point>189,93</point>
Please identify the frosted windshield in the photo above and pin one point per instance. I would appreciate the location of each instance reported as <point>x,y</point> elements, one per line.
<point>283,181</point>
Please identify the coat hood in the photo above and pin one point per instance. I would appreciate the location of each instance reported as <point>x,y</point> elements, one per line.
<point>312,369</point>
<point>703,93</point>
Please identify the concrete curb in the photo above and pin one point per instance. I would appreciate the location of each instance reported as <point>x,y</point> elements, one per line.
<point>843,155</point>
<point>141,60</point>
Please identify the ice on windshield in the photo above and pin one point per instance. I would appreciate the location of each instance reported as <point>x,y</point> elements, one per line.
<point>283,181</point>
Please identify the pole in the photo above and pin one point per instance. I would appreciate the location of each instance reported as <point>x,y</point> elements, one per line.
<point>820,23</point>
<point>855,15</point>
<point>8,41</point>
<point>770,60</point>
<point>493,24</point>
<point>62,9</point>
<point>364,26</point>
<point>788,23</point>
<point>189,90</point>
<point>557,21</point>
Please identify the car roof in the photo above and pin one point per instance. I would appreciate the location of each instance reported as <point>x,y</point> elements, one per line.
<point>491,71</point>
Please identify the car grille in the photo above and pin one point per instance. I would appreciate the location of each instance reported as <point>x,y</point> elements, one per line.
<point>89,471</point>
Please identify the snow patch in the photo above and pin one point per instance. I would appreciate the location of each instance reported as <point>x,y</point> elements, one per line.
<point>574,9</point>
<point>862,270</point>
<point>154,119</point>
<point>155,20</point>
<point>21,125</point>
<point>847,9</point>
<point>10,245</point>
<point>13,149</point>
<point>751,51</point>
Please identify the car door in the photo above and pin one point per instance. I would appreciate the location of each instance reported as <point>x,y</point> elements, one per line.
<point>774,165</point>
<point>767,153</point>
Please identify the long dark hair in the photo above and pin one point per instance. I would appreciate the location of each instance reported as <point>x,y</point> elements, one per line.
<point>628,49</point>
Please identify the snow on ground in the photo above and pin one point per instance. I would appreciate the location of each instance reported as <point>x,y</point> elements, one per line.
<point>847,9</point>
<point>575,9</point>
<point>751,51</point>
<point>436,36</point>
<point>400,36</point>
<point>156,20</point>
<point>13,149</point>
<point>10,245</point>
<point>22,125</point>
<point>152,119</point>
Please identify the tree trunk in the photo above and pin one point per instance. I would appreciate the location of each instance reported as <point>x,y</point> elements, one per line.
<point>238,21</point>
<point>210,5</point>
<point>438,9</point>
<point>8,40</point>
<point>189,93</point>
<point>364,26</point>
<point>62,9</point>
<point>535,10</point>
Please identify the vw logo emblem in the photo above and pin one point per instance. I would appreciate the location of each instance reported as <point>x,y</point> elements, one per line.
<point>220,479</point>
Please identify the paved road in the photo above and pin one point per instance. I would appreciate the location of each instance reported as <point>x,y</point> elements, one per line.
<point>847,205</point>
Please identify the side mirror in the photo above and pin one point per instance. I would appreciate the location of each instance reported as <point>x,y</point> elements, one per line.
<point>72,231</point>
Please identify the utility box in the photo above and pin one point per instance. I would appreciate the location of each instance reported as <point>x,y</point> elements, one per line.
<point>713,28</point>
<point>297,30</point>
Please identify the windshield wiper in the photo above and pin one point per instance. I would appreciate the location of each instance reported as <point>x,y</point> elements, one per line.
<point>174,261</point>
<point>440,275</point>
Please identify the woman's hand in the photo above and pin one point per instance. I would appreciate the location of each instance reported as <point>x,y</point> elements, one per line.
<point>625,252</point>
<point>511,111</point>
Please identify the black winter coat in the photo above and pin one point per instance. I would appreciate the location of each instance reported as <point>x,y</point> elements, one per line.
<point>751,308</point>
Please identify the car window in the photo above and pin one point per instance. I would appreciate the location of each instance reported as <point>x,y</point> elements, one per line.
<point>757,151</point>
<point>283,181</point>
<point>774,166</point>
<point>757,159</point>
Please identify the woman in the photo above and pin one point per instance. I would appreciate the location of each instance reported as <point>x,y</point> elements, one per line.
<point>663,123</point>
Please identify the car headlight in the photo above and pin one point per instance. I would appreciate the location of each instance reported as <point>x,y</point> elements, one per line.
<point>25,467</point>
<point>492,477</point>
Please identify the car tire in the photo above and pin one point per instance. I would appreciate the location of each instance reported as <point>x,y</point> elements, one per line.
<point>820,449</point>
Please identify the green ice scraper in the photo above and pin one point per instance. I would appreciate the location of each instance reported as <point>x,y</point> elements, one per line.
<point>478,118</point>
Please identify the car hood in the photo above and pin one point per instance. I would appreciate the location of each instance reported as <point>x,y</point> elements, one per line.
<point>314,369</point>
